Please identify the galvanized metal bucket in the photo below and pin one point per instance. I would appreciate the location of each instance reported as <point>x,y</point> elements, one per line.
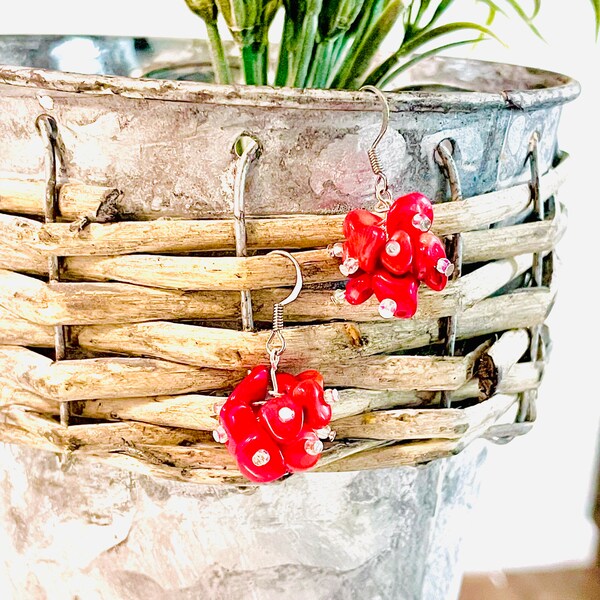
<point>167,146</point>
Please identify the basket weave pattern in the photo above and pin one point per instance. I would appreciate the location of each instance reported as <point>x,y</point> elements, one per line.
<point>149,311</point>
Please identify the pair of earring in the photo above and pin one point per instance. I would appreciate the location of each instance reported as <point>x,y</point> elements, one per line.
<point>274,423</point>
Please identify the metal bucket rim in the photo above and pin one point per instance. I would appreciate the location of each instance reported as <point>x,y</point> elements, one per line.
<point>549,88</point>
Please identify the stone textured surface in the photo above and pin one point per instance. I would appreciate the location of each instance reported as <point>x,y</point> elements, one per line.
<point>78,529</point>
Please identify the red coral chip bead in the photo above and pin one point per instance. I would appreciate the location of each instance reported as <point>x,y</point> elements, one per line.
<point>397,295</point>
<point>365,246</point>
<point>397,256</point>
<point>359,219</point>
<point>283,418</point>
<point>365,239</point>
<point>431,265</point>
<point>311,374</point>
<point>317,412</point>
<point>239,422</point>
<point>358,289</point>
<point>304,453</point>
<point>259,458</point>
<point>253,388</point>
<point>412,213</point>
<point>435,281</point>
<point>286,382</point>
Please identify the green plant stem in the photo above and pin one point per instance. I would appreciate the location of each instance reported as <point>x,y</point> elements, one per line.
<point>324,66</point>
<point>305,45</point>
<point>256,63</point>
<point>318,64</point>
<point>285,57</point>
<point>263,64</point>
<point>217,54</point>
<point>379,73</point>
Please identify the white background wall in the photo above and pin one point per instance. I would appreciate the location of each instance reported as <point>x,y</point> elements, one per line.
<point>536,496</point>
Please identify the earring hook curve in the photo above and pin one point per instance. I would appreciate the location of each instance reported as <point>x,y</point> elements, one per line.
<point>382,192</point>
<point>385,112</point>
<point>299,281</point>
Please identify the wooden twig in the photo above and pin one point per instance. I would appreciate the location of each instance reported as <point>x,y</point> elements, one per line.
<point>132,377</point>
<point>308,346</point>
<point>297,232</point>
<point>411,424</point>
<point>107,377</point>
<point>195,411</point>
<point>499,359</point>
<point>97,303</point>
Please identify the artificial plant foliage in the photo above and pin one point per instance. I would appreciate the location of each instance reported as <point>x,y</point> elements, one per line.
<point>338,43</point>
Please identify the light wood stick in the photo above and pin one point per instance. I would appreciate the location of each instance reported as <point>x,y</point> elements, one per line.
<point>97,303</point>
<point>410,424</point>
<point>307,346</point>
<point>132,377</point>
<point>504,242</point>
<point>103,436</point>
<point>297,232</point>
<point>410,454</point>
<point>195,474</point>
<point>195,411</point>
<point>107,377</point>
<point>500,359</point>
<point>314,345</point>
<point>255,272</point>
<point>16,331</point>
<point>75,199</point>
<point>203,273</point>
<point>69,303</point>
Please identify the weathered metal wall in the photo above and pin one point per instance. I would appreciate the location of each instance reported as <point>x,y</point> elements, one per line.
<point>87,531</point>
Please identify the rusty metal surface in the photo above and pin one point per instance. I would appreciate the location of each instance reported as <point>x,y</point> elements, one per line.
<point>167,144</point>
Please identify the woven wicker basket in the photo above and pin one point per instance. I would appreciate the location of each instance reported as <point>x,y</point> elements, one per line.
<point>144,314</point>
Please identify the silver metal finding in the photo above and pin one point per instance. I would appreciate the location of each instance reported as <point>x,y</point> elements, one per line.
<point>48,130</point>
<point>443,156</point>
<point>247,149</point>
<point>382,192</point>
<point>276,343</point>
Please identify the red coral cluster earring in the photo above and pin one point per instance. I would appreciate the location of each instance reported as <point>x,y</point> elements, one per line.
<point>272,432</point>
<point>389,252</point>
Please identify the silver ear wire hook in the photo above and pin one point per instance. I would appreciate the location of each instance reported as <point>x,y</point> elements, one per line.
<point>382,193</point>
<point>276,350</point>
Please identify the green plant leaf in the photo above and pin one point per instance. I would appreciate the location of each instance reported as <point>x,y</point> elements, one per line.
<point>494,9</point>
<point>249,22</point>
<point>419,57</point>
<point>360,57</point>
<point>335,20</point>
<point>420,39</point>
<point>596,5</point>
<point>428,35</point>
<point>528,20</point>
<point>443,6</point>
